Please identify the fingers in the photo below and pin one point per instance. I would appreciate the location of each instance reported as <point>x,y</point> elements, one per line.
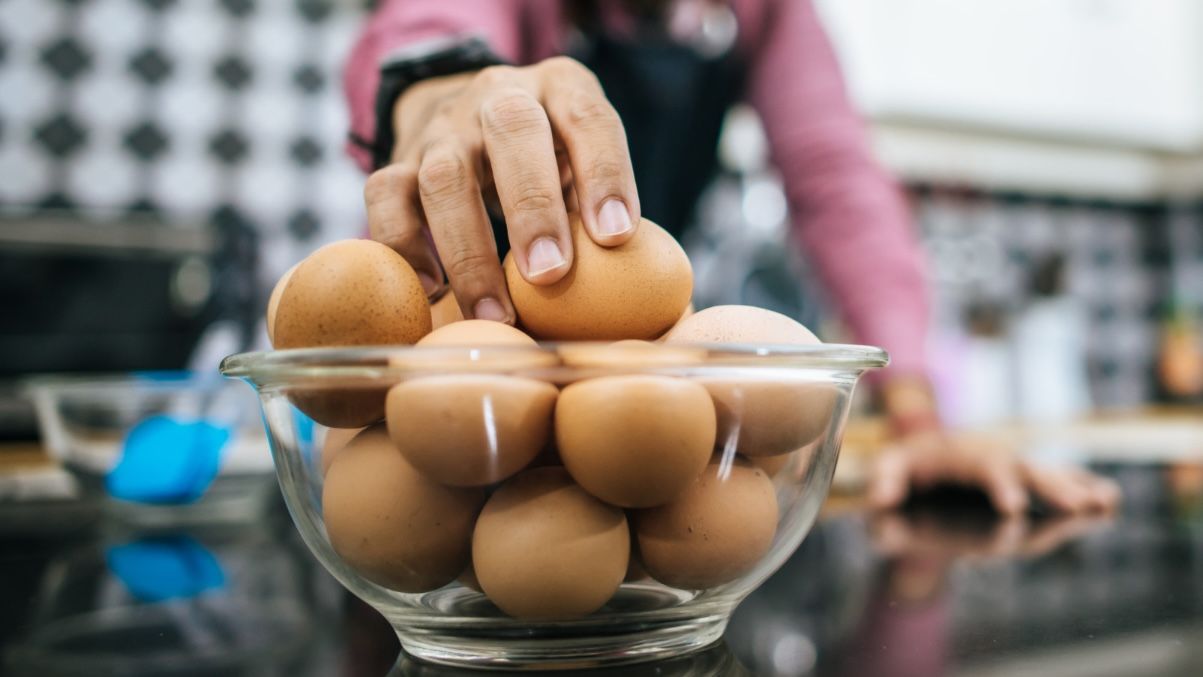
<point>391,198</point>
<point>517,137</point>
<point>1073,489</point>
<point>451,199</point>
<point>1002,481</point>
<point>890,479</point>
<point>1061,488</point>
<point>593,135</point>
<point>1105,494</point>
<point>1049,534</point>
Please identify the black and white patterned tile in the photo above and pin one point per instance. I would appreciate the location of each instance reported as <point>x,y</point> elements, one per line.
<point>184,108</point>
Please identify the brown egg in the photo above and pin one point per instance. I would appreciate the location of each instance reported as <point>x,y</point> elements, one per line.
<point>630,353</point>
<point>356,406</point>
<point>473,345</point>
<point>770,416</point>
<point>771,465</point>
<point>273,302</point>
<point>394,526</point>
<point>740,324</point>
<point>545,549</point>
<point>715,532</point>
<point>351,293</point>
<point>635,441</point>
<point>476,333</point>
<point>759,416</point>
<point>635,290</point>
<point>689,310</point>
<point>470,429</point>
<point>445,311</point>
<point>333,442</point>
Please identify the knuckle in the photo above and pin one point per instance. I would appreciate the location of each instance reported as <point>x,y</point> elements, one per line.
<point>566,65</point>
<point>513,111</point>
<point>406,241</point>
<point>533,199</point>
<point>467,263</point>
<point>446,108</point>
<point>604,171</point>
<point>385,182</point>
<point>590,111</point>
<point>443,173</point>
<point>491,76</point>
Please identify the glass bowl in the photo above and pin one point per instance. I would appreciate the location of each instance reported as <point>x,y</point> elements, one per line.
<point>695,539</point>
<point>164,448</point>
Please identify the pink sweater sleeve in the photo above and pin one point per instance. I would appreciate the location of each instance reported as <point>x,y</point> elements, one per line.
<point>504,24</point>
<point>848,215</point>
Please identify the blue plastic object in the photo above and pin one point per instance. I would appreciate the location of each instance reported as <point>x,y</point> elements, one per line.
<point>162,568</point>
<point>168,461</point>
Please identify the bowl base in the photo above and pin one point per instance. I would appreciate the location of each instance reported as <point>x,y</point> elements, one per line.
<point>602,648</point>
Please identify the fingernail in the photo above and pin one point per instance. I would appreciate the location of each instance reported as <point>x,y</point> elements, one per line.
<point>489,309</point>
<point>613,218</point>
<point>544,255</point>
<point>428,284</point>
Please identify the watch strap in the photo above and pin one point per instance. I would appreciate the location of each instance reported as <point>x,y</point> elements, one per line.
<point>446,56</point>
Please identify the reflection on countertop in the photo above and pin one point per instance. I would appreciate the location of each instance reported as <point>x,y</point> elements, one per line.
<point>943,587</point>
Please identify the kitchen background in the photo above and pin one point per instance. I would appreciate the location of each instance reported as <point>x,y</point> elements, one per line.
<point>186,152</point>
<point>162,162</point>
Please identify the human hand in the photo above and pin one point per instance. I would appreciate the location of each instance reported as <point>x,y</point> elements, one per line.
<point>929,458</point>
<point>930,535</point>
<point>535,139</point>
<point>921,548</point>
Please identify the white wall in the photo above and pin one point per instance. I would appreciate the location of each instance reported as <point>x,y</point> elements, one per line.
<point>1111,72</point>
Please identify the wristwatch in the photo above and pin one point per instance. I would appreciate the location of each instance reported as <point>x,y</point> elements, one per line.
<point>433,58</point>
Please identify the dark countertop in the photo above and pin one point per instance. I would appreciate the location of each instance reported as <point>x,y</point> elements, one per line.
<point>942,588</point>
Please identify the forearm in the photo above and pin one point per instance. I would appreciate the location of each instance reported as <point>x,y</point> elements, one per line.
<point>849,216</point>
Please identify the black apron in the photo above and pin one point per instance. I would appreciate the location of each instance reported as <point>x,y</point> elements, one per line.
<point>672,100</point>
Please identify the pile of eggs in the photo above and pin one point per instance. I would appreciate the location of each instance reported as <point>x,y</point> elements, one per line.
<point>545,496</point>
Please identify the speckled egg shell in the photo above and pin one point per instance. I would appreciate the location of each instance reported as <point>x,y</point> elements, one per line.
<point>715,532</point>
<point>545,549</point>
<point>332,442</point>
<point>636,440</point>
<point>470,429</point>
<point>636,290</point>
<point>397,528</point>
<point>273,302</point>
<point>349,293</point>
<point>766,416</point>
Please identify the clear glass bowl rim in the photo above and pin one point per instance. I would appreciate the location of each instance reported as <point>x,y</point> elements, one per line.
<point>366,361</point>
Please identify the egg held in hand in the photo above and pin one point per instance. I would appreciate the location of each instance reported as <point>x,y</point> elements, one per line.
<point>636,290</point>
